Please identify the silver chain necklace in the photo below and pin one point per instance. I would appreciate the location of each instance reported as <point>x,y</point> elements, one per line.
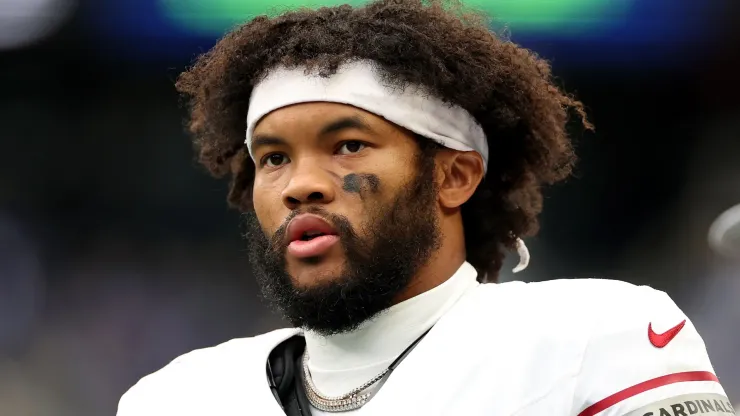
<point>357,397</point>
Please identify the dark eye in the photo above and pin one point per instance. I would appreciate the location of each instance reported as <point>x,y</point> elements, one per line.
<point>274,160</point>
<point>351,147</point>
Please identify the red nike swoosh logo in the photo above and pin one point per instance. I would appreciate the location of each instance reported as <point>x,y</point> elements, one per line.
<point>661,340</point>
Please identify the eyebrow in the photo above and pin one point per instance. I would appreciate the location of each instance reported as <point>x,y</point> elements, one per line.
<point>344,123</point>
<point>259,140</point>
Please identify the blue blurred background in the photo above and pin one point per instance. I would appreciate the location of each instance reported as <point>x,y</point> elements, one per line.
<point>117,252</point>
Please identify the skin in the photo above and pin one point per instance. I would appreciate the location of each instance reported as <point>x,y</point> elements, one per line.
<point>346,160</point>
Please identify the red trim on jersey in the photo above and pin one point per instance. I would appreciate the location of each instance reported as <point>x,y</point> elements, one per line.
<point>645,386</point>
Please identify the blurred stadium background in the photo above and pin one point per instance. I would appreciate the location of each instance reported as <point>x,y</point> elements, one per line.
<point>117,253</point>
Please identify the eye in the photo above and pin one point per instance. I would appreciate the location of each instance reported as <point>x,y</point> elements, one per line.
<point>274,160</point>
<point>351,147</point>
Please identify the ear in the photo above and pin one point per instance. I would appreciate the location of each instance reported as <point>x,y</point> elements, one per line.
<point>459,174</point>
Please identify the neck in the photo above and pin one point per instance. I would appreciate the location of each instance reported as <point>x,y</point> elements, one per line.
<point>444,263</point>
<point>338,362</point>
<point>432,275</point>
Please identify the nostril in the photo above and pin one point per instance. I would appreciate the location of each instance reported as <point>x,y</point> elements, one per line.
<point>296,199</point>
<point>315,196</point>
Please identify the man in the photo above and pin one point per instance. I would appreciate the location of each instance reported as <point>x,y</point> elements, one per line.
<point>393,153</point>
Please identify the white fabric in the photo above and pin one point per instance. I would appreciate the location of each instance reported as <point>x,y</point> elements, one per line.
<point>358,83</point>
<point>524,256</point>
<point>341,362</point>
<point>625,330</point>
<point>514,349</point>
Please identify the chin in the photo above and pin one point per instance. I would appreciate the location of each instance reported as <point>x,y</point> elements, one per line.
<point>315,271</point>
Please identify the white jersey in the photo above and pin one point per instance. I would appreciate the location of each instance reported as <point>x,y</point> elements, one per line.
<point>558,348</point>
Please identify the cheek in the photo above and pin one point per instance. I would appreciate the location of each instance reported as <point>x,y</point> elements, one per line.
<point>268,205</point>
<point>394,176</point>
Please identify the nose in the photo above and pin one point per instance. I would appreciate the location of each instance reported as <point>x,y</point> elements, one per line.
<point>309,184</point>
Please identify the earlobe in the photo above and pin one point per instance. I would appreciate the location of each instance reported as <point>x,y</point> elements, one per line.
<point>460,174</point>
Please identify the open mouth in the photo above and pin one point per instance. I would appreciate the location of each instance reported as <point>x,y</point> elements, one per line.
<point>307,227</point>
<point>310,235</point>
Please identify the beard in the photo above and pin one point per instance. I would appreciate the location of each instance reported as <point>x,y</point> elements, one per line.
<point>397,240</point>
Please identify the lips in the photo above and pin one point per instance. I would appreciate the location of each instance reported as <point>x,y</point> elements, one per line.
<point>310,236</point>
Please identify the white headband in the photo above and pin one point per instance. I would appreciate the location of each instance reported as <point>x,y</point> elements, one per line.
<point>359,84</point>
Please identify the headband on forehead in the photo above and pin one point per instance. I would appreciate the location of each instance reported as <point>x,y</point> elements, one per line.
<point>358,83</point>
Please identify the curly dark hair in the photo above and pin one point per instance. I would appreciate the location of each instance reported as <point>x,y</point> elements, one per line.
<point>435,43</point>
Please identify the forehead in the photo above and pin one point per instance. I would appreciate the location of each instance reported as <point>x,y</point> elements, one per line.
<point>312,118</point>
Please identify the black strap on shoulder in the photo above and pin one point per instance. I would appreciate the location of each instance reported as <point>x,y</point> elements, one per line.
<point>300,387</point>
<point>285,376</point>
